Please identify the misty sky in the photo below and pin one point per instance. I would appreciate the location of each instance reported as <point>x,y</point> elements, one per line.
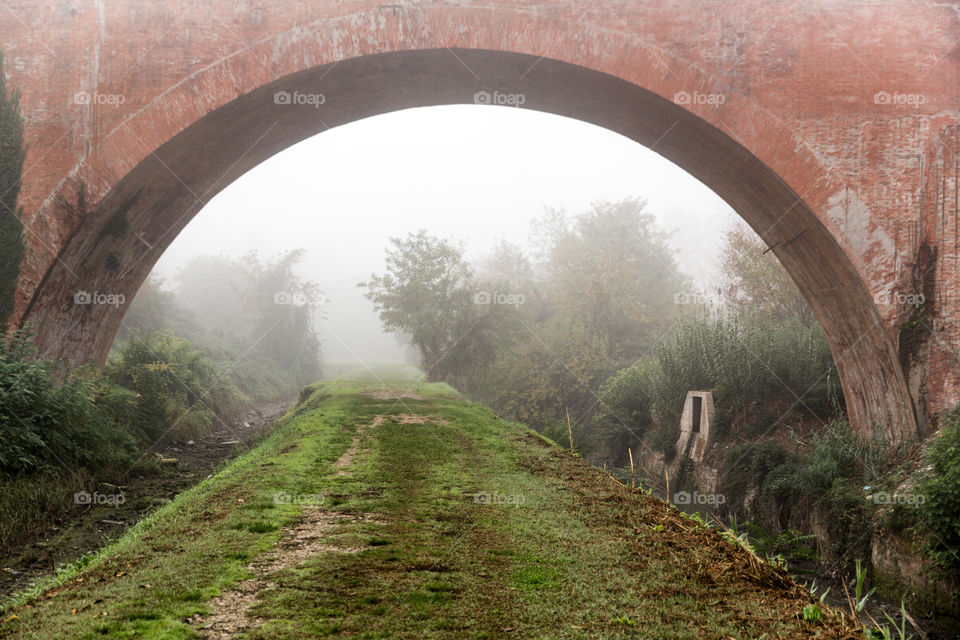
<point>474,173</point>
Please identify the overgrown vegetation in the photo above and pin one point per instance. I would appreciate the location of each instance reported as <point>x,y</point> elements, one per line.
<point>818,485</point>
<point>253,319</point>
<point>169,377</point>
<point>599,327</point>
<point>535,338</point>
<point>752,366</point>
<point>170,390</point>
<point>940,509</point>
<point>56,437</point>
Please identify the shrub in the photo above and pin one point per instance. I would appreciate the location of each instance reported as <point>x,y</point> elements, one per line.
<point>50,426</point>
<point>623,418</point>
<point>179,392</point>
<point>940,510</point>
<point>749,362</point>
<point>825,480</point>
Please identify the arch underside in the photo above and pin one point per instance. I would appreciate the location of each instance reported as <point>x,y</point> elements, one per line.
<point>122,236</point>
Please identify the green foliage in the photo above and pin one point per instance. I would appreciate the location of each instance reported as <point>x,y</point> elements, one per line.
<point>427,293</point>
<point>624,417</point>
<point>611,271</point>
<point>825,478</point>
<point>754,366</point>
<point>600,293</point>
<point>756,369</point>
<point>252,318</point>
<point>755,283</point>
<point>49,419</point>
<point>940,510</point>
<point>788,543</point>
<point>12,153</point>
<point>812,613</point>
<point>179,393</point>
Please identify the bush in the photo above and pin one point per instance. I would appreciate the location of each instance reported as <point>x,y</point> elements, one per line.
<point>179,392</point>
<point>756,369</point>
<point>825,480</point>
<point>940,511</point>
<point>624,419</point>
<point>750,364</point>
<point>49,426</point>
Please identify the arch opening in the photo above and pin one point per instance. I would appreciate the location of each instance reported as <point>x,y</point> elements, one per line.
<point>120,237</point>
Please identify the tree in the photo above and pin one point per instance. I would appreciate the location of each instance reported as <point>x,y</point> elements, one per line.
<point>613,272</point>
<point>282,307</point>
<point>12,154</point>
<point>427,293</point>
<point>756,282</point>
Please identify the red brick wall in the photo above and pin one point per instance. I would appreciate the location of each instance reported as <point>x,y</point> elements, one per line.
<point>855,108</point>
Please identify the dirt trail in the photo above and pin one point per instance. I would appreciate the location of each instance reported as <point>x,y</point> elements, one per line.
<point>302,540</point>
<point>347,458</point>
<point>394,395</point>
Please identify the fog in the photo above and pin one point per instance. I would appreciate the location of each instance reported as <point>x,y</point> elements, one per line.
<point>471,173</point>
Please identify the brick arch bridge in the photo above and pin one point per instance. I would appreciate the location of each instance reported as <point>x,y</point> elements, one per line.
<point>830,127</point>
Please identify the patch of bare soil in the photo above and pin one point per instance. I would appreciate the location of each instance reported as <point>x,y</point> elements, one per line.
<point>83,528</point>
<point>407,418</point>
<point>307,538</point>
<point>394,395</point>
<point>347,458</point>
<point>301,541</point>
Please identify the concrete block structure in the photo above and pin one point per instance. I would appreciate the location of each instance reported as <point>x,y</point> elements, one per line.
<point>696,426</point>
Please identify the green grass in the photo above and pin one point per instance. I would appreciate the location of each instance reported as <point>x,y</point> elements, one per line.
<point>472,527</point>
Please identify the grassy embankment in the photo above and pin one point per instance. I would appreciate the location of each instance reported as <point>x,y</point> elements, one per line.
<point>382,515</point>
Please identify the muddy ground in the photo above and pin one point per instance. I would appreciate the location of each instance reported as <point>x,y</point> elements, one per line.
<point>88,527</point>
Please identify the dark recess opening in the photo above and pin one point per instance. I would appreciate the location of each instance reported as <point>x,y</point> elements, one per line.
<point>697,408</point>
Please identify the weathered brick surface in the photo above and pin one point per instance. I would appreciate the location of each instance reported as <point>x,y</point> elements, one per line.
<point>836,138</point>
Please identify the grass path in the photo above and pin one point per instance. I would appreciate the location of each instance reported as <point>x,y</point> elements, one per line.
<point>378,513</point>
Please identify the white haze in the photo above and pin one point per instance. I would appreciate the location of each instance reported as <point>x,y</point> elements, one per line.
<point>474,173</point>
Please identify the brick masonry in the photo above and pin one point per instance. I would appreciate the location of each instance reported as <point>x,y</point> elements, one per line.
<point>832,128</point>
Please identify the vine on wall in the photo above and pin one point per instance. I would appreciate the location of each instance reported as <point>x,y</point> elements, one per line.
<point>12,153</point>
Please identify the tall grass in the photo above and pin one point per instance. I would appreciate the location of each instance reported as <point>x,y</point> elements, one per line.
<point>760,372</point>
<point>750,363</point>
